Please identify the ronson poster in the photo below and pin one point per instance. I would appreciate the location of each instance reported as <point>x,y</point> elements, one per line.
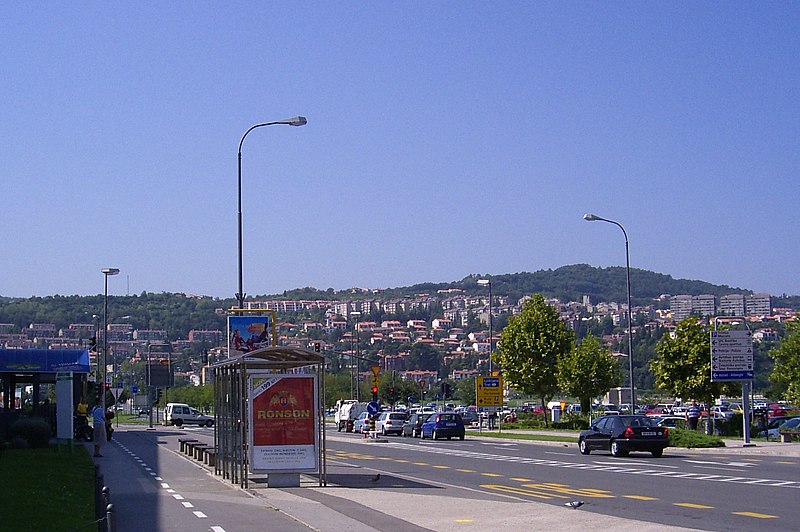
<point>283,423</point>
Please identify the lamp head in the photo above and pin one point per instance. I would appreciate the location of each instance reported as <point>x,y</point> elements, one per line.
<point>297,121</point>
<point>110,271</point>
<point>591,217</point>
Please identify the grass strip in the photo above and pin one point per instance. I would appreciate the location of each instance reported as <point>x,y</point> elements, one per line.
<point>47,489</point>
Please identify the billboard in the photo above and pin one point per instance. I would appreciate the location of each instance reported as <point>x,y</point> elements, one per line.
<point>248,333</point>
<point>283,423</point>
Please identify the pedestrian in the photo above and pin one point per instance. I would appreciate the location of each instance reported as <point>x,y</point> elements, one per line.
<point>99,426</point>
<point>693,415</point>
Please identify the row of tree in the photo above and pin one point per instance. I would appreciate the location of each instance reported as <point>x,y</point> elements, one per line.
<point>540,357</point>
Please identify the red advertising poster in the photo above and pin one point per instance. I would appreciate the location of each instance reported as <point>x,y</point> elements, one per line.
<point>283,422</point>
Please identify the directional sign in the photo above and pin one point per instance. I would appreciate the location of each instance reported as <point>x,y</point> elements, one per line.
<point>373,408</point>
<point>731,356</point>
<point>488,391</point>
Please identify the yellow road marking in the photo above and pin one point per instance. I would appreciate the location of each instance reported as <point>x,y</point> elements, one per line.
<point>420,463</point>
<point>441,467</point>
<point>519,491</point>
<point>786,462</point>
<point>520,479</point>
<point>491,475</point>
<point>640,497</point>
<point>401,461</point>
<point>756,515</point>
<point>466,470</point>
<point>387,458</point>
<point>693,505</point>
<point>751,459</point>
<point>463,520</point>
<point>565,489</point>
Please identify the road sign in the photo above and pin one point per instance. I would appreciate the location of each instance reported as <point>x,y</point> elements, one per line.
<point>489,391</point>
<point>732,356</point>
<point>373,408</point>
<point>376,381</point>
<point>376,370</point>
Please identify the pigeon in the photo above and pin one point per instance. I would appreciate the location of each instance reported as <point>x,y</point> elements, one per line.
<point>376,478</point>
<point>574,504</point>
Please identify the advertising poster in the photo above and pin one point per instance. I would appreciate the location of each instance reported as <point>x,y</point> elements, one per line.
<point>283,423</point>
<point>248,333</point>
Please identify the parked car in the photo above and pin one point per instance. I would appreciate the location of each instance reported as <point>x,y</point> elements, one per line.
<point>469,417</point>
<point>622,434</point>
<point>443,425</point>
<point>390,423</point>
<point>670,421</point>
<point>788,424</point>
<point>361,423</point>
<point>413,425</point>
<point>178,413</point>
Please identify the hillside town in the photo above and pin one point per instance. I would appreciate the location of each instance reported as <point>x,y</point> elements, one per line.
<point>461,332</point>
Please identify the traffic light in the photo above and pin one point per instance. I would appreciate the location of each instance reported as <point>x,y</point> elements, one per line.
<point>374,393</point>
<point>159,391</point>
<point>317,347</point>
<point>93,343</point>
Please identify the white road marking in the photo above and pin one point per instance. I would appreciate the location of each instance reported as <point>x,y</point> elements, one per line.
<point>201,515</point>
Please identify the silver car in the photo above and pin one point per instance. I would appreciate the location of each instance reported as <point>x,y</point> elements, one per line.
<point>390,423</point>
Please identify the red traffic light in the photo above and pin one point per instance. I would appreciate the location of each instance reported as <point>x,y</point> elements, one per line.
<point>108,385</point>
<point>374,389</point>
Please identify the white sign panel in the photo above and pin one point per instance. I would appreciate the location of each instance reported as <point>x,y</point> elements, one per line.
<point>731,356</point>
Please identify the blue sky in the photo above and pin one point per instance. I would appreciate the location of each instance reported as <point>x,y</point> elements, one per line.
<point>443,139</point>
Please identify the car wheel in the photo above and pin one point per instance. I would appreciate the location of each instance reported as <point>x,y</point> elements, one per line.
<point>461,437</point>
<point>209,423</point>
<point>177,422</point>
<point>657,453</point>
<point>617,450</point>
<point>584,448</point>
<point>422,435</point>
<point>434,435</point>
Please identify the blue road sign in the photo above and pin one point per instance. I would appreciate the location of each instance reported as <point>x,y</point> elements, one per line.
<point>135,389</point>
<point>373,408</point>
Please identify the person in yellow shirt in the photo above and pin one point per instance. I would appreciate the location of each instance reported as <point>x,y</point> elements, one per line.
<point>82,411</point>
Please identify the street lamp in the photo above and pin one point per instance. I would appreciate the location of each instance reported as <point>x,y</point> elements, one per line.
<point>485,282</point>
<point>296,121</point>
<point>595,218</point>
<point>106,272</point>
<point>354,362</point>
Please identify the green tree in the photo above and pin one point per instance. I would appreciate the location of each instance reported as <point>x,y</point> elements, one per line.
<point>682,366</point>
<point>530,346</point>
<point>785,373</point>
<point>587,371</point>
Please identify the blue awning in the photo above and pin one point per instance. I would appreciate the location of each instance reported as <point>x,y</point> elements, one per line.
<point>44,360</point>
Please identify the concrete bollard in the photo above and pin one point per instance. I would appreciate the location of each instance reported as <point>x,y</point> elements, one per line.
<point>111,518</point>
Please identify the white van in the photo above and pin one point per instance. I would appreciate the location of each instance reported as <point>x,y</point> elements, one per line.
<point>178,413</point>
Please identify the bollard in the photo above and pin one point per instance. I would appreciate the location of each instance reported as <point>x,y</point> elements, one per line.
<point>111,518</point>
<point>106,495</point>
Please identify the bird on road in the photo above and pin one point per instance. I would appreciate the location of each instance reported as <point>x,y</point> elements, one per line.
<point>376,478</point>
<point>574,504</point>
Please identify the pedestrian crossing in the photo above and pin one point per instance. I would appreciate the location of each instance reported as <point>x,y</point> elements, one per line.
<point>624,468</point>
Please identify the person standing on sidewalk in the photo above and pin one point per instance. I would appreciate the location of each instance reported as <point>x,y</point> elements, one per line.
<point>693,415</point>
<point>99,426</point>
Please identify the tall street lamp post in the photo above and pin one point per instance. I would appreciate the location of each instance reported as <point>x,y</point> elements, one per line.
<point>485,282</point>
<point>355,389</point>
<point>595,218</point>
<point>106,272</point>
<point>296,121</point>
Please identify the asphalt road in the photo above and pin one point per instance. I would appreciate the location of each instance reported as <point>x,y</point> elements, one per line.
<point>476,484</point>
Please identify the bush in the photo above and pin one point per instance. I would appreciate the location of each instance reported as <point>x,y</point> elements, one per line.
<point>34,430</point>
<point>691,439</point>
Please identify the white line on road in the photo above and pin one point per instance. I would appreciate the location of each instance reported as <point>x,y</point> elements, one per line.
<point>201,515</point>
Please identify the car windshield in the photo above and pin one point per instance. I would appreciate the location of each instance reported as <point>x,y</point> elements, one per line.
<point>639,421</point>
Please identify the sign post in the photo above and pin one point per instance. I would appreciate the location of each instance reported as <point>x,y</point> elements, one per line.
<point>732,360</point>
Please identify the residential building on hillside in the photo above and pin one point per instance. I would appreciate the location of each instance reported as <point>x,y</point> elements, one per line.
<point>758,304</point>
<point>732,305</point>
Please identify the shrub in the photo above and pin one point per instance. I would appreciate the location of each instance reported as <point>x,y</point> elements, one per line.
<point>34,430</point>
<point>693,439</point>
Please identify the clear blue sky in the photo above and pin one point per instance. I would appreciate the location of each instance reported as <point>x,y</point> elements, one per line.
<point>443,139</point>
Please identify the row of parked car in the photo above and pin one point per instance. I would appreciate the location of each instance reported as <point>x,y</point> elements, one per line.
<point>420,424</point>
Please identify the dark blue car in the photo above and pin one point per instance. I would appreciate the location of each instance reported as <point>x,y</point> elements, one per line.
<point>443,425</point>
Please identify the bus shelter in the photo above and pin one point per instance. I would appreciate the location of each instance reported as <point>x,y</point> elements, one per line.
<point>270,417</point>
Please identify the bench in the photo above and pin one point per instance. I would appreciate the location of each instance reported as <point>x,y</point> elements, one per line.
<point>788,435</point>
<point>183,442</point>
